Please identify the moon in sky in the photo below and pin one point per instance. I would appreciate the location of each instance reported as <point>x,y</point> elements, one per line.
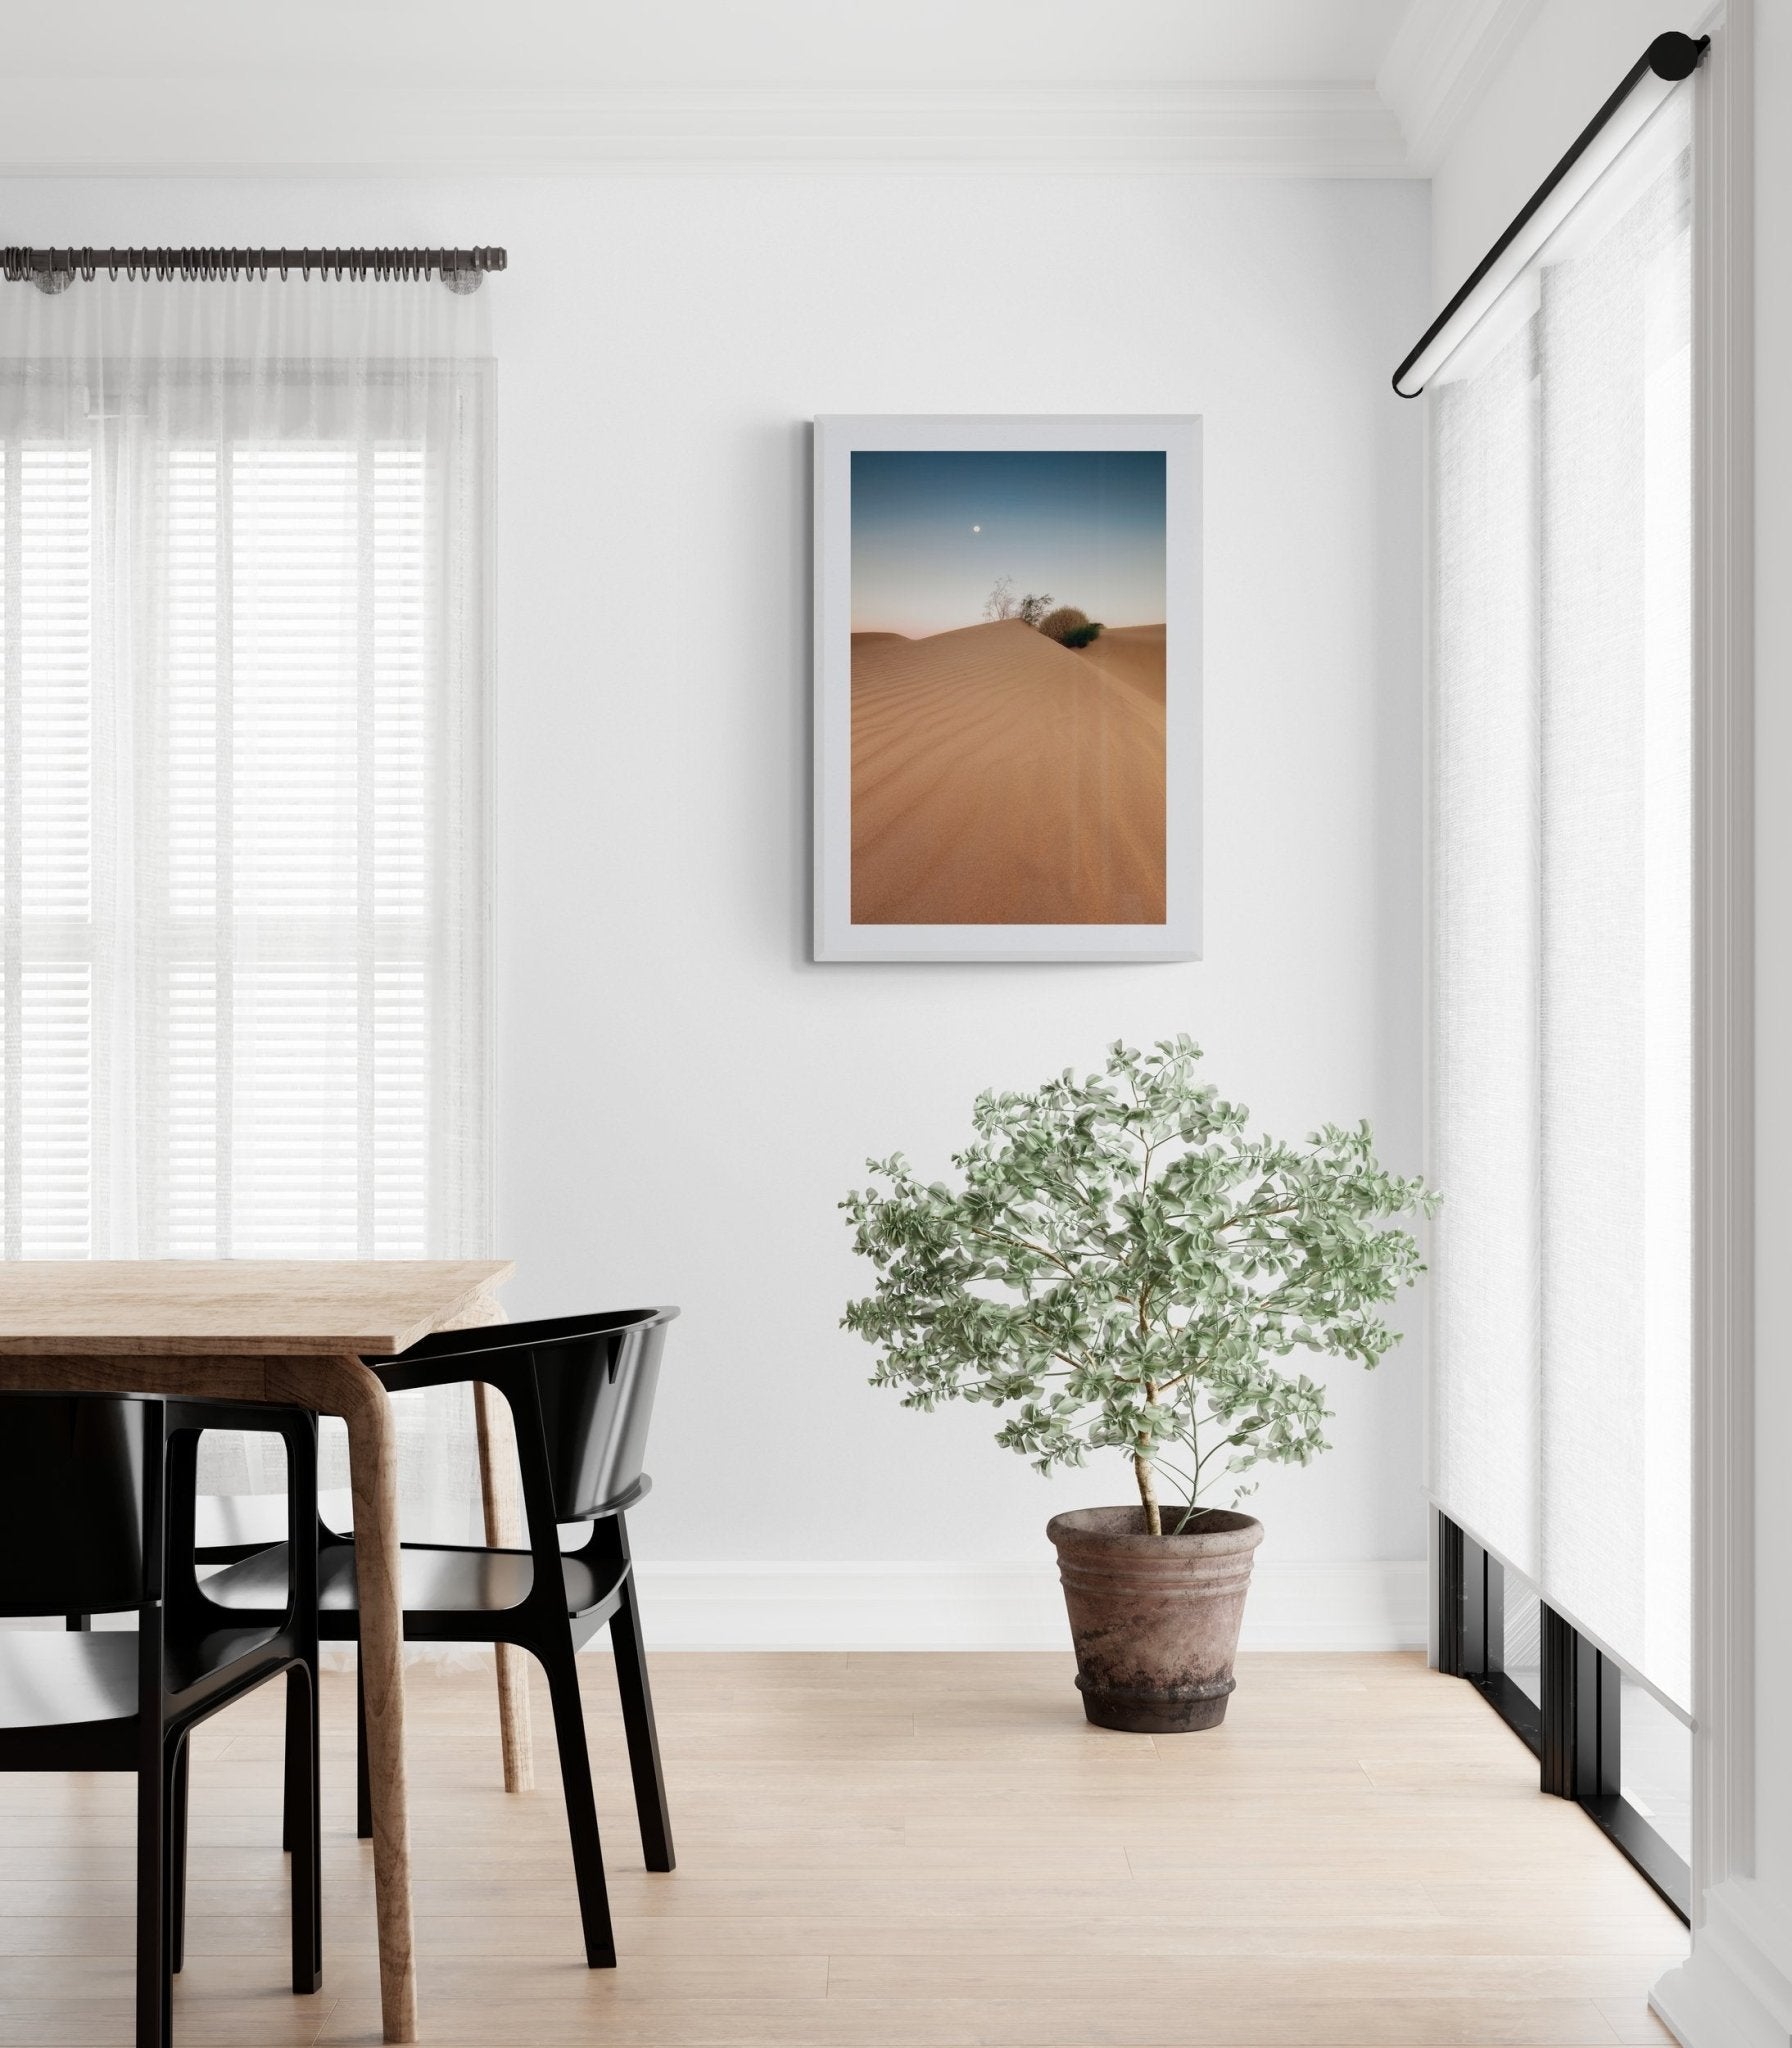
<point>976,529</point>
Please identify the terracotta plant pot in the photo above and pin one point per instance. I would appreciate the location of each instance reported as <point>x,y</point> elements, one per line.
<point>1154,1618</point>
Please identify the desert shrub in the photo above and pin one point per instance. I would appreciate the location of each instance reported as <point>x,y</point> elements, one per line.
<point>1032,609</point>
<point>1066,619</point>
<point>1069,627</point>
<point>1000,602</point>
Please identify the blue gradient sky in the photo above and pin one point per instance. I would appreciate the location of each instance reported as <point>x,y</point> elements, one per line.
<point>1088,527</point>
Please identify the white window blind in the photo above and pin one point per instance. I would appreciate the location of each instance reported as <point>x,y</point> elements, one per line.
<point>1561,894</point>
<point>244,540</point>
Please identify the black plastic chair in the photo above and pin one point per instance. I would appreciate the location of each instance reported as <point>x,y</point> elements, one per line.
<point>96,1517</point>
<point>581,1393</point>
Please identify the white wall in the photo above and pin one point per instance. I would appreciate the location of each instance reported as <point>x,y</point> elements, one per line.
<point>1551,84</point>
<point>683,1096</point>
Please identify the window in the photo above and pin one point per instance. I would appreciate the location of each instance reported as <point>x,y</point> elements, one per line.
<point>1562,987</point>
<point>242,672</point>
<point>1600,1737</point>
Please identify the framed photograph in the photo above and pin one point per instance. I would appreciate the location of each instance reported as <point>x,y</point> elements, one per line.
<point>1007,688</point>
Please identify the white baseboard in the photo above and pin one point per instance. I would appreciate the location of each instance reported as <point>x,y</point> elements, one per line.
<point>1378,1605</point>
<point>1735,1989</point>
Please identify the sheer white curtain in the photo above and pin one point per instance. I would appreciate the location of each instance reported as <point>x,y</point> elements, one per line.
<point>1562,939</point>
<point>243,628</point>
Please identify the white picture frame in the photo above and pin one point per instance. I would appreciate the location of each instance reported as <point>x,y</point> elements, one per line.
<point>838,439</point>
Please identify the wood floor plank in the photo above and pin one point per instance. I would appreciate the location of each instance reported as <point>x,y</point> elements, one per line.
<point>911,1851</point>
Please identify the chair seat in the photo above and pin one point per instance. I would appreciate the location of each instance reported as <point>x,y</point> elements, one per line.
<point>49,1679</point>
<point>439,1579</point>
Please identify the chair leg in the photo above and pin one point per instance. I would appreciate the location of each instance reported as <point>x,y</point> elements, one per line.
<point>304,1829</point>
<point>174,1910</point>
<point>643,1738</point>
<point>76,1624</point>
<point>154,1986</point>
<point>561,1667</point>
<point>293,1793</point>
<point>363,1787</point>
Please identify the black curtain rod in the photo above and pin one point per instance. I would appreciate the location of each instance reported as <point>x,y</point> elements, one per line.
<point>54,270</point>
<point>1671,57</point>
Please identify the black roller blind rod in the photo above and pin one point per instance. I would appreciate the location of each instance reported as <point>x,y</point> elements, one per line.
<point>1666,61</point>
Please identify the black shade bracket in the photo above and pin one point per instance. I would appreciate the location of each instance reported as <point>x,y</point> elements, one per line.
<point>1670,58</point>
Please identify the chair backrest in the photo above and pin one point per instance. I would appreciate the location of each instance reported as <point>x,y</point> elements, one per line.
<point>597,1376</point>
<point>71,1503</point>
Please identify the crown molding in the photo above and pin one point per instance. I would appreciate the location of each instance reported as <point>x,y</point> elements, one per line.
<point>1438,66</point>
<point>105,127</point>
<point>1432,77</point>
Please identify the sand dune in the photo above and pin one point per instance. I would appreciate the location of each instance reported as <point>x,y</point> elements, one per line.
<point>1133,655</point>
<point>998,778</point>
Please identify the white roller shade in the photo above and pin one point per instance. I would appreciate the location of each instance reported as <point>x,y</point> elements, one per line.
<point>1561,892</point>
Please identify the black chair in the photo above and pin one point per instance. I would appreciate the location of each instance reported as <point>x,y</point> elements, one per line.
<point>96,1517</point>
<point>581,1393</point>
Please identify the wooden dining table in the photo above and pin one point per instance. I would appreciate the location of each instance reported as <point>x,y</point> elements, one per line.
<point>294,1332</point>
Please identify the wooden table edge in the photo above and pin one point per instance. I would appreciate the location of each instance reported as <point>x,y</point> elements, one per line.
<point>482,1276</point>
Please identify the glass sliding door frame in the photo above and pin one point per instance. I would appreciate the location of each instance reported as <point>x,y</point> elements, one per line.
<point>1575,1730</point>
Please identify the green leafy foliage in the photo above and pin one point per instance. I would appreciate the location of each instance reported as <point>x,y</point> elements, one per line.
<point>1084,635</point>
<point>1124,1267</point>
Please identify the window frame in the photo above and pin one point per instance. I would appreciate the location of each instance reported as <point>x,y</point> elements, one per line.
<point>1576,1730</point>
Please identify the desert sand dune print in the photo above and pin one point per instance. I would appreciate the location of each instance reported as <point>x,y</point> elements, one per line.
<point>999,778</point>
<point>1008,759</point>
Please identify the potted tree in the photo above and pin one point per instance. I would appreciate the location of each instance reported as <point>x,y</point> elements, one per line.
<point>1125,1268</point>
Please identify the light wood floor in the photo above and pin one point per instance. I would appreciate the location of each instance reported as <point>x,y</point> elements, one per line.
<point>890,1850</point>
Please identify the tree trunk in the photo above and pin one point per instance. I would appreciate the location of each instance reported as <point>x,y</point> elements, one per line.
<point>1141,1466</point>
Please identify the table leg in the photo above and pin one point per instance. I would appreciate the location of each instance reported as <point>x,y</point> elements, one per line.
<point>356,1395</point>
<point>497,1472</point>
<point>504,1531</point>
